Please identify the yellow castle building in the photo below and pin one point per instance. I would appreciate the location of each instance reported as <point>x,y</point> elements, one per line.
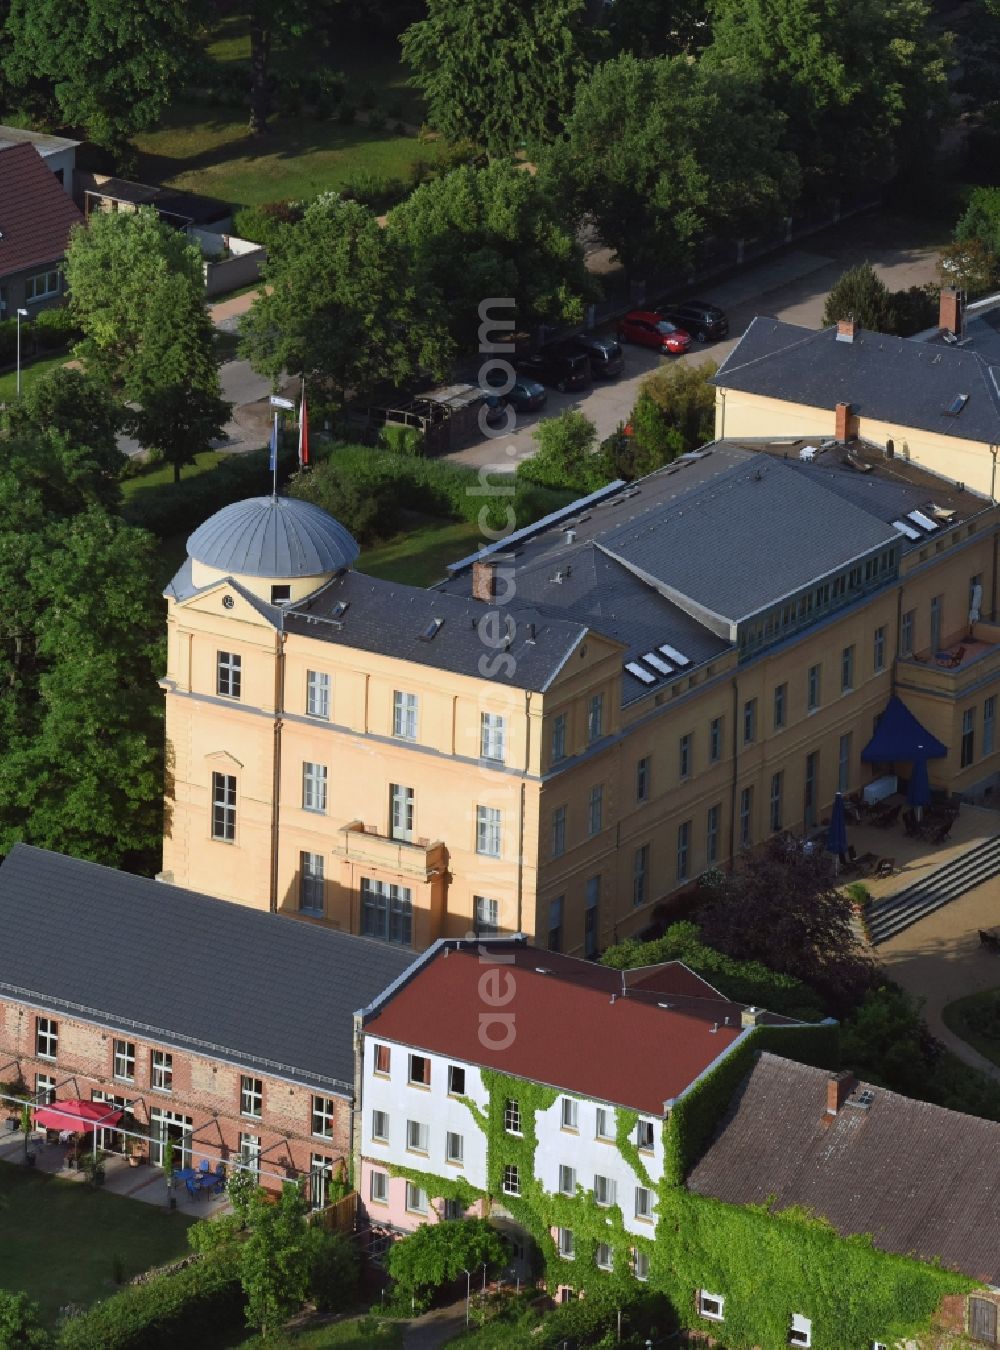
<point>583,717</point>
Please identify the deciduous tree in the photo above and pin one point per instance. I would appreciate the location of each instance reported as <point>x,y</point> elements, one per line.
<point>661,152</point>
<point>340,306</point>
<point>108,67</point>
<point>501,72</point>
<point>275,1259</point>
<point>513,240</point>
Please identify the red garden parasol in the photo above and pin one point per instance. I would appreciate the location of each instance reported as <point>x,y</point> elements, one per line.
<point>79,1116</point>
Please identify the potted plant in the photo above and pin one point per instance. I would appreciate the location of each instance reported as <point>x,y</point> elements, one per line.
<point>92,1164</point>
<point>134,1136</point>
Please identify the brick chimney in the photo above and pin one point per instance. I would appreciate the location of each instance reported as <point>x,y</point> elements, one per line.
<point>838,1088</point>
<point>492,575</point>
<point>950,312</point>
<point>842,423</point>
<point>845,330</point>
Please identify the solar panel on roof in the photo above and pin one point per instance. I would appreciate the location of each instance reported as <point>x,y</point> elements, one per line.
<point>923,521</point>
<point>678,658</point>
<point>635,669</point>
<point>908,530</point>
<point>657,663</point>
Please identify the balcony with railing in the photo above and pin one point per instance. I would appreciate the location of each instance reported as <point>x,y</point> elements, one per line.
<point>368,846</point>
<point>957,664</point>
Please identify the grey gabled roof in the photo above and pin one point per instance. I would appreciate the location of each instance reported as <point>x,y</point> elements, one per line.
<point>371,615</point>
<point>889,379</point>
<point>185,969</point>
<point>273,537</point>
<point>922,1180</point>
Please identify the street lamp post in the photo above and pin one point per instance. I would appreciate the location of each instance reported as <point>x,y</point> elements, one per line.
<point>21,314</point>
<point>468,1294</point>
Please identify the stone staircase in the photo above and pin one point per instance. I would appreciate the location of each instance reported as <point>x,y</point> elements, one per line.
<point>889,916</point>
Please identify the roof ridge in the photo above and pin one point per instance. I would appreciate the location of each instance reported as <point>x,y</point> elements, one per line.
<point>810,336</point>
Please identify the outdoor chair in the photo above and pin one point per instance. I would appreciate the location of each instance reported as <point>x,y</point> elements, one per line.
<point>888,817</point>
<point>941,833</point>
<point>954,658</point>
<point>990,941</point>
<point>885,867</point>
<point>204,1165</point>
<point>911,824</point>
<point>191,1188</point>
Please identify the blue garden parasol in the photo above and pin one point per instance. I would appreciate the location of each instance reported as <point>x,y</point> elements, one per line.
<point>836,835</point>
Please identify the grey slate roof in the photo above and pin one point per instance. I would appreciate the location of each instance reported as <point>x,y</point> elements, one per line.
<point>389,618</point>
<point>273,537</point>
<point>891,379</point>
<point>747,539</point>
<point>117,950</point>
<point>922,1180</point>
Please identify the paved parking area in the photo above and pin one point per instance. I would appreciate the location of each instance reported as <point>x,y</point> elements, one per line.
<point>792,286</point>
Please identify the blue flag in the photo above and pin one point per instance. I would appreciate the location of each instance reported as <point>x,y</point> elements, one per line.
<point>272,463</point>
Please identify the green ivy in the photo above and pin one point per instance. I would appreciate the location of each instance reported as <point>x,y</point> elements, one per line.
<point>766,1265</point>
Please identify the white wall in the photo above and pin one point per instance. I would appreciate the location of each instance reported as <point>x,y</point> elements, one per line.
<point>592,1157</point>
<point>65,160</point>
<point>432,1106</point>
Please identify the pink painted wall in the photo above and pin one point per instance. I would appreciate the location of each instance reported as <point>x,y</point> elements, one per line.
<point>395,1213</point>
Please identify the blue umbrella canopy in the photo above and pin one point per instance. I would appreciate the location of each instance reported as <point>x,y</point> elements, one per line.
<point>919,791</point>
<point>899,736</point>
<point>836,835</point>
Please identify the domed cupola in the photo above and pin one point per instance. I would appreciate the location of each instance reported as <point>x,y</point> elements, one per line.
<point>279,548</point>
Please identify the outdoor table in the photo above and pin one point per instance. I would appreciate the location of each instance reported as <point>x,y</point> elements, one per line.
<point>185,1174</point>
<point>208,1181</point>
<point>880,788</point>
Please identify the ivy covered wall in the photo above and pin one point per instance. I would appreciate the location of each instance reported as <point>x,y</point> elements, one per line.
<point>765,1265</point>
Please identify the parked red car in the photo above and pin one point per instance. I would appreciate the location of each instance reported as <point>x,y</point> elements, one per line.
<point>649,329</point>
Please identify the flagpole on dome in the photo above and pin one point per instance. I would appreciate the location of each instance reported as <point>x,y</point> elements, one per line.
<point>273,461</point>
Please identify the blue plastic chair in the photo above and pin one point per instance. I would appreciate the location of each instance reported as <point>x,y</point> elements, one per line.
<point>192,1190</point>
<point>204,1165</point>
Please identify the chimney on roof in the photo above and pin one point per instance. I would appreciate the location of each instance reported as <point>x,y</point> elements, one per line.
<point>492,582</point>
<point>950,312</point>
<point>845,329</point>
<point>842,430</point>
<point>838,1088</point>
<point>751,1017</point>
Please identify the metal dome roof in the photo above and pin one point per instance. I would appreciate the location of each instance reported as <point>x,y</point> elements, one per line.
<point>273,537</point>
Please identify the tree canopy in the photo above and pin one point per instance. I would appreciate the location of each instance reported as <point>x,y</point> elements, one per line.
<point>339,305</point>
<point>107,67</point>
<point>513,242</point>
<point>500,72</point>
<point>661,152</point>
<point>862,85</point>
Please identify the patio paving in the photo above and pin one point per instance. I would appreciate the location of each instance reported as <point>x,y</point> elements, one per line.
<point>916,858</point>
<point>143,1183</point>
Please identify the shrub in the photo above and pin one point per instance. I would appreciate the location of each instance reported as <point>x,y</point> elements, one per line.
<point>19,1323</point>
<point>334,1270</point>
<point>8,342</point>
<point>742,981</point>
<point>265,224</point>
<point>54,329</point>
<point>200,1304</point>
<point>402,440</point>
<point>374,190</point>
<point>437,1254</point>
<point>566,456</point>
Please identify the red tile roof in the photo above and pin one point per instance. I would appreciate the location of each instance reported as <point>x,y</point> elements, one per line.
<point>922,1180</point>
<point>573,1027</point>
<point>36,212</point>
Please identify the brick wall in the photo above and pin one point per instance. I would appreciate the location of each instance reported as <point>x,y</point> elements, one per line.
<point>205,1089</point>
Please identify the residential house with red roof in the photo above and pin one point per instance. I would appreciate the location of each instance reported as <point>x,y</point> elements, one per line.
<point>36,216</point>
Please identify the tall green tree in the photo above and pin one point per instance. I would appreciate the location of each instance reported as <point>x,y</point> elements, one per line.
<point>82,764</point>
<point>107,67</point>
<point>20,1324</point>
<point>862,84</point>
<point>275,1259</point>
<point>513,240</point>
<point>500,72</point>
<point>860,294</point>
<point>119,270</point>
<point>138,295</point>
<point>661,152</point>
<point>340,305</point>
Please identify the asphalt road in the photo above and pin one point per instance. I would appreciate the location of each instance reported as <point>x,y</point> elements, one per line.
<point>792,286</point>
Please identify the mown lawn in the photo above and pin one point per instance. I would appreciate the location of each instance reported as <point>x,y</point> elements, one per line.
<point>59,1239</point>
<point>159,474</point>
<point>420,555</point>
<point>205,148</point>
<point>29,374</point>
<point>974,1018</point>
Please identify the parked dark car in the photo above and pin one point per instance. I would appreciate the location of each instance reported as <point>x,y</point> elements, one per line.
<point>649,328</point>
<point>604,354</point>
<point>558,367</point>
<point>705,322</point>
<point>524,395</point>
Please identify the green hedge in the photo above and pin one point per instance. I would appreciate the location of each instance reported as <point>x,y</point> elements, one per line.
<point>199,1305</point>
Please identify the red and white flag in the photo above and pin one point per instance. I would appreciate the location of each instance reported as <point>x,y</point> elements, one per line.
<point>303,430</point>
